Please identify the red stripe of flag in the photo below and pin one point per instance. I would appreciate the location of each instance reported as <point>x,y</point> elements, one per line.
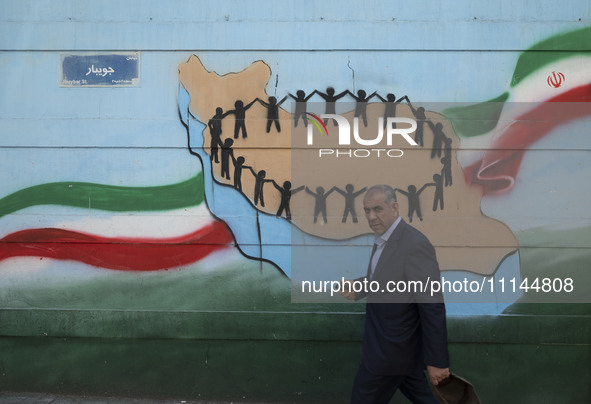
<point>126,254</point>
<point>498,168</point>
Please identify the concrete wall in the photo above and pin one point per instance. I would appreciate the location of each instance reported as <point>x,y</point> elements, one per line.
<point>129,264</point>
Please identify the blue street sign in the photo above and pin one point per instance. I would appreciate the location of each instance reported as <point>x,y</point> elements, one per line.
<point>100,70</point>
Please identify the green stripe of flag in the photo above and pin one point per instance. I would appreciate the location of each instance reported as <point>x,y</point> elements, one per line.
<point>550,50</point>
<point>476,119</point>
<point>107,197</point>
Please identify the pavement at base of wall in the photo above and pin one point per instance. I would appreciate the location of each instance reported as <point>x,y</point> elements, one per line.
<point>49,398</point>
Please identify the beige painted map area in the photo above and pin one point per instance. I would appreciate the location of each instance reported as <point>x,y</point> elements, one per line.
<point>464,238</point>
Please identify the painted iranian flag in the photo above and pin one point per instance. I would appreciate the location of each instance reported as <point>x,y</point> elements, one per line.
<point>122,228</point>
<point>551,87</point>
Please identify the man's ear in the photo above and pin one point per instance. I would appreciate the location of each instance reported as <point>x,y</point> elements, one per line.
<point>395,207</point>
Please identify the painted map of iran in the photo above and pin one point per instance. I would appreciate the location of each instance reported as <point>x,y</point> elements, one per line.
<point>429,181</point>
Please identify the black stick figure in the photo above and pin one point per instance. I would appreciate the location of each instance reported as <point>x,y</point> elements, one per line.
<point>320,204</point>
<point>215,131</point>
<point>240,115</point>
<point>238,166</point>
<point>300,109</point>
<point>390,109</point>
<point>258,186</point>
<point>273,112</point>
<point>446,171</point>
<point>361,105</point>
<point>227,154</point>
<point>286,193</point>
<point>331,98</point>
<point>447,148</point>
<point>350,201</point>
<point>438,199</point>
<point>420,116</point>
<point>438,138</point>
<point>414,204</point>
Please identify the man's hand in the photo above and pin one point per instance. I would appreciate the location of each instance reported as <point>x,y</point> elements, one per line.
<point>347,289</point>
<point>437,375</point>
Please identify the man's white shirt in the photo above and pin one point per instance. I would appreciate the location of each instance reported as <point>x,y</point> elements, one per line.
<point>380,241</point>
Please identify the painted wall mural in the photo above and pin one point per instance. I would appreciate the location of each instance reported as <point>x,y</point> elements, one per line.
<point>254,190</point>
<point>271,159</point>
